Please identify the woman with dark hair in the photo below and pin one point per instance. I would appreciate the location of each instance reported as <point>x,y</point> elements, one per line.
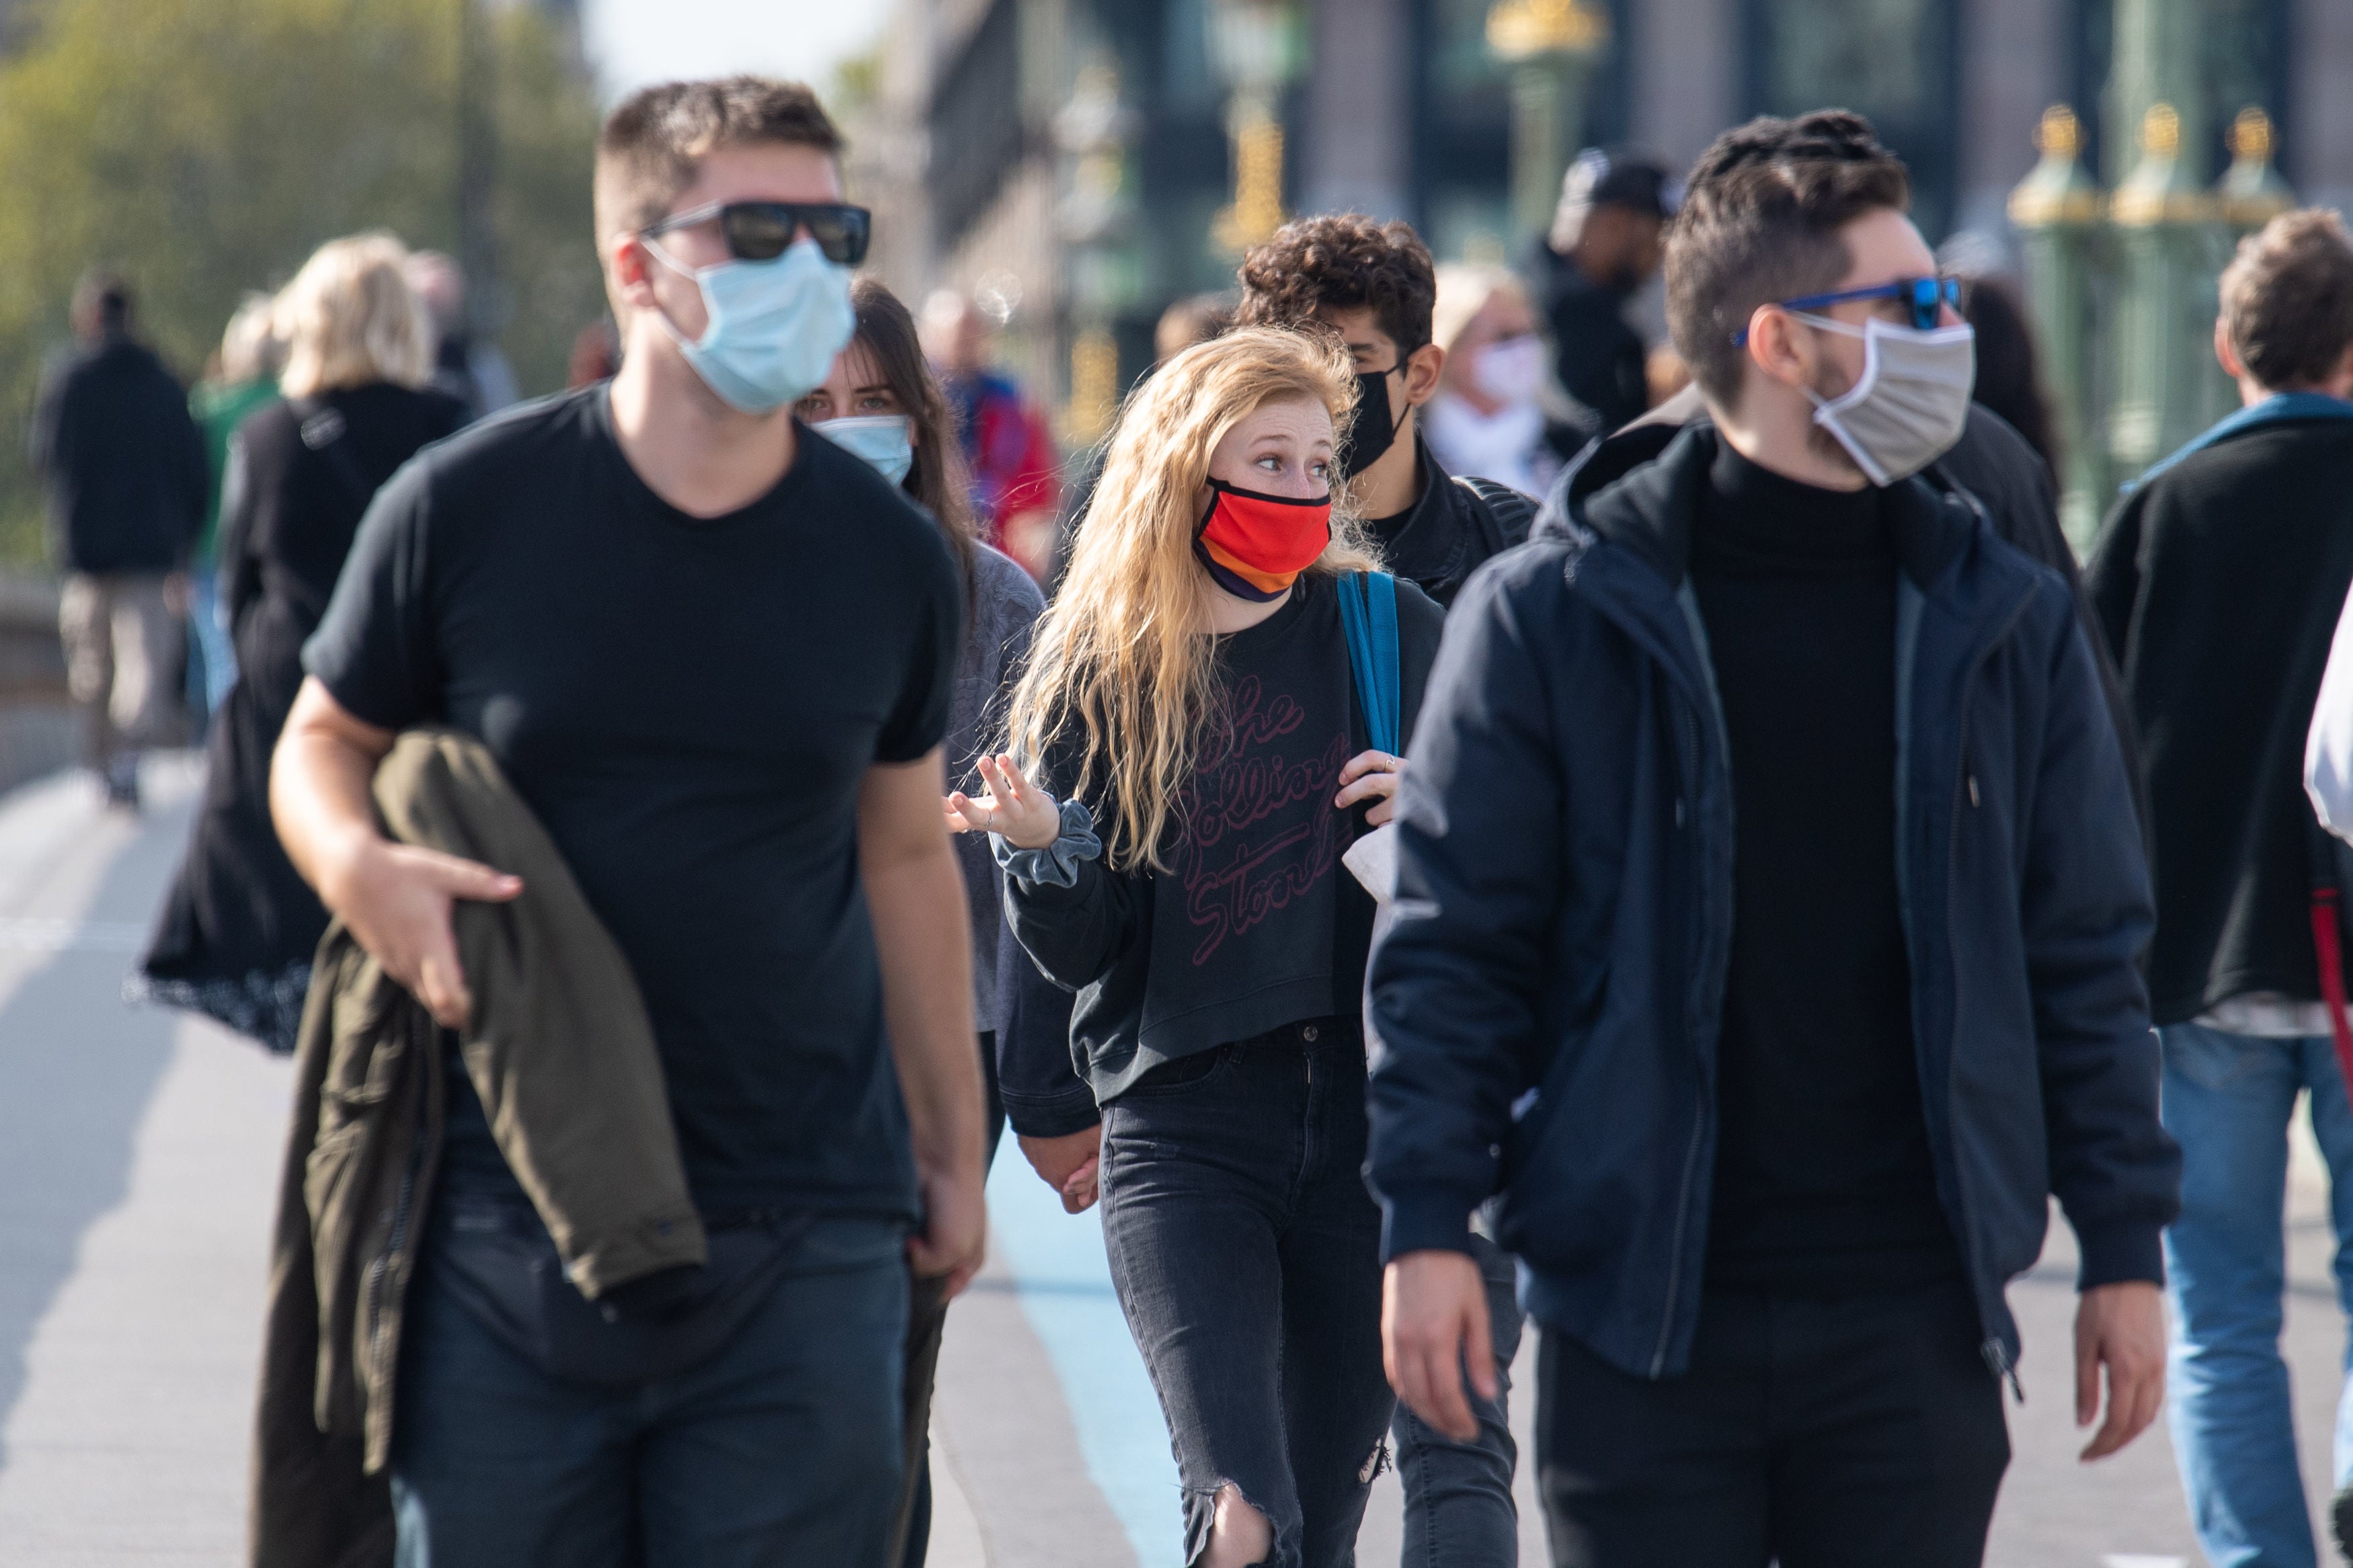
<point>883,404</point>
<point>2009,376</point>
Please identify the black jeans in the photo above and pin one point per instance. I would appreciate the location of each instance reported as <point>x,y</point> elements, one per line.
<point>1458,1511</point>
<point>1849,1434</point>
<point>1246,1255</point>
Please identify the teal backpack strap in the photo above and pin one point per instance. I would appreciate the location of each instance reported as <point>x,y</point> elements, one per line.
<point>1368,615</point>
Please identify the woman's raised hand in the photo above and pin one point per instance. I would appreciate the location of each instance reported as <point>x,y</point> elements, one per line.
<point>1026,816</point>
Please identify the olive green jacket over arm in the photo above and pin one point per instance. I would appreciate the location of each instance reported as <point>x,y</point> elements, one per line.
<point>562,1055</point>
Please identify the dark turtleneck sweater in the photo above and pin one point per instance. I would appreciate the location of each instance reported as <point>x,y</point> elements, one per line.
<point>1823,1180</point>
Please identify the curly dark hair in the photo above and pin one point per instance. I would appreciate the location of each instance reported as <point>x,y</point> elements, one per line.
<point>1760,222</point>
<point>1345,261</point>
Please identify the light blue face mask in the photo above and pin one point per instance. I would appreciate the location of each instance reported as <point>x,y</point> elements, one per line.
<point>882,440</point>
<point>774,326</point>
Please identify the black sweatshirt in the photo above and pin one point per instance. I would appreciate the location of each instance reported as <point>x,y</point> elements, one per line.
<point>1823,1180</point>
<point>2219,584</point>
<point>1256,923</point>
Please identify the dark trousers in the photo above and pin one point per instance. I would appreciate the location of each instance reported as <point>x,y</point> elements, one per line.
<point>1246,1252</point>
<point>781,1448</point>
<point>1459,1512</point>
<point>927,1322</point>
<point>1850,1434</point>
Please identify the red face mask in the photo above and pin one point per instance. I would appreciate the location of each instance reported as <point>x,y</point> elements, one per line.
<point>1256,545</point>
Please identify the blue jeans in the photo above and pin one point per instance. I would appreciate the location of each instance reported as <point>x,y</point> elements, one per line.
<point>1246,1255</point>
<point>2228,1100</point>
<point>782,1448</point>
<point>209,625</point>
<point>1459,1512</point>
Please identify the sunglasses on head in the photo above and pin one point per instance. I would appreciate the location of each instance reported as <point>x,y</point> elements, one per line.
<point>760,231</point>
<point>1928,297</point>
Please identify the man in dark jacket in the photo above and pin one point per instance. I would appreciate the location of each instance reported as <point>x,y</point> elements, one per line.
<point>1776,1109</point>
<point>125,468</point>
<point>1991,466</point>
<point>2218,581</point>
<point>1604,246</point>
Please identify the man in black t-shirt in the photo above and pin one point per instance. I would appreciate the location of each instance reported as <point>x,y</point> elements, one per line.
<point>714,654</point>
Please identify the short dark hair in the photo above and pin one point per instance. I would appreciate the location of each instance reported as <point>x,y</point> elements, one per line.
<point>1343,261</point>
<point>2287,299</point>
<point>1760,222</point>
<point>652,145</point>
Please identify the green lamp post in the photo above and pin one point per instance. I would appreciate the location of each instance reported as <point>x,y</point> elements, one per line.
<point>1550,45</point>
<point>2058,210</point>
<point>2165,372</point>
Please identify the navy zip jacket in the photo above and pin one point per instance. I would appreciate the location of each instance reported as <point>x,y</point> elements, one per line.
<point>1548,997</point>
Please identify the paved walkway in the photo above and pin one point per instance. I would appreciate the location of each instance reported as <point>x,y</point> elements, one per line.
<point>138,1153</point>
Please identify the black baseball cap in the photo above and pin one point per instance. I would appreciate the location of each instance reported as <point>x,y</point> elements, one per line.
<point>1619,177</point>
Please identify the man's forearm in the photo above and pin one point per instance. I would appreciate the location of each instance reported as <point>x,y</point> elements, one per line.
<point>320,782</point>
<point>925,940</point>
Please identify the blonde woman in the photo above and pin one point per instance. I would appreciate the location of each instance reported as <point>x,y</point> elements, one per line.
<point>236,931</point>
<point>1192,762</point>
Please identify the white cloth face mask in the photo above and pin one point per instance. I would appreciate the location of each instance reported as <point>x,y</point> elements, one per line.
<point>1511,371</point>
<point>1906,409</point>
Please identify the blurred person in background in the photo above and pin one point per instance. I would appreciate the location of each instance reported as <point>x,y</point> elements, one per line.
<point>236,931</point>
<point>2218,580</point>
<point>1008,454</point>
<point>1487,416</point>
<point>465,366</point>
<point>881,403</point>
<point>596,355</point>
<point>2009,373</point>
<point>1195,319</point>
<point>241,378</point>
<point>1604,246</point>
<point>124,465</point>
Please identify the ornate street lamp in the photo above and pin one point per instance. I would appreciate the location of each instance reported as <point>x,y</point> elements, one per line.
<point>1551,46</point>
<point>2058,210</point>
<point>1254,45</point>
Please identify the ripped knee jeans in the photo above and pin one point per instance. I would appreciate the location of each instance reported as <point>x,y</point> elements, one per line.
<point>1247,1255</point>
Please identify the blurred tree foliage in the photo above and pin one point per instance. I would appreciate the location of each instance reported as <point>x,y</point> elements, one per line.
<point>204,147</point>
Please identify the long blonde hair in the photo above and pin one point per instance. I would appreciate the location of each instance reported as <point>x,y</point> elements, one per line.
<point>1123,669</point>
<point>350,318</point>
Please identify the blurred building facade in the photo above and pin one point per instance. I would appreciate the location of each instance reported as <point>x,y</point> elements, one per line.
<point>1076,164</point>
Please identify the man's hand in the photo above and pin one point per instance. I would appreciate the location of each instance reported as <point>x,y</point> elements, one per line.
<point>394,897</point>
<point>955,1237</point>
<point>1433,1321</point>
<point>397,900</point>
<point>1070,1164</point>
<point>2122,1328</point>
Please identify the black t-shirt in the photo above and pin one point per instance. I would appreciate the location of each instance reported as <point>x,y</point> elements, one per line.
<point>1824,1179</point>
<point>689,706</point>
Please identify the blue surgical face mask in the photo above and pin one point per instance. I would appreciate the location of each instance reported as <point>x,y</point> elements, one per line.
<point>774,326</point>
<point>882,440</point>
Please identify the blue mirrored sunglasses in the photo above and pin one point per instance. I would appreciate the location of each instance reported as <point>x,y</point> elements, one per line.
<point>1926,296</point>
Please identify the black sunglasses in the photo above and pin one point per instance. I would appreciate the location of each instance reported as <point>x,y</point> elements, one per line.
<point>1928,297</point>
<point>760,231</point>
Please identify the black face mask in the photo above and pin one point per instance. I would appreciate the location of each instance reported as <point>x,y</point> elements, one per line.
<point>1371,429</point>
